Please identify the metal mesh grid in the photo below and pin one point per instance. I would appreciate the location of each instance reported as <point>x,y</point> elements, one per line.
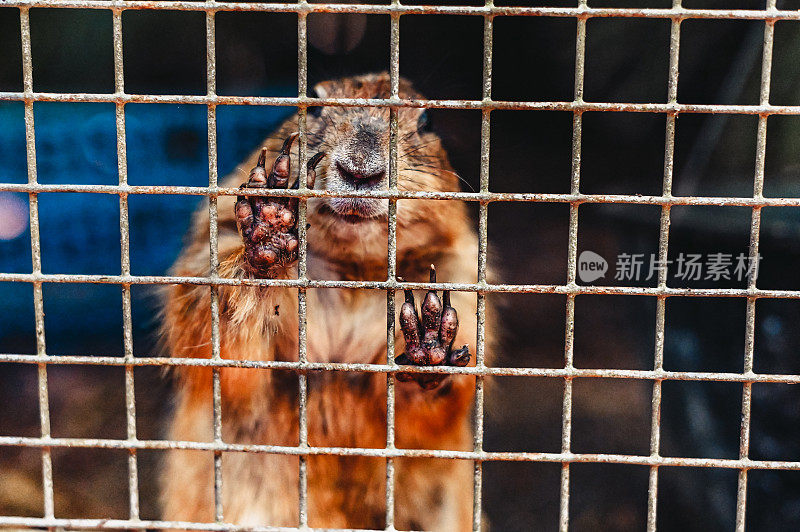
<point>578,106</point>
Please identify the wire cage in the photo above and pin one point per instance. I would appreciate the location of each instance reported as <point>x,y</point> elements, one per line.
<point>574,199</point>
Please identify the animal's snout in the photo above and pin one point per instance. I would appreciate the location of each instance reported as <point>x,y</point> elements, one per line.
<point>360,173</point>
<point>361,163</point>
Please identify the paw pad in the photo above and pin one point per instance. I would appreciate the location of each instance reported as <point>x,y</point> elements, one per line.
<point>268,225</point>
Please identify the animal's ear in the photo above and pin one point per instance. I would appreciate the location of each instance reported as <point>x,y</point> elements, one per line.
<point>320,91</point>
<point>317,92</point>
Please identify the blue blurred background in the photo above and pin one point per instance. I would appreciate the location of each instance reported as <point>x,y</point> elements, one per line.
<point>76,143</point>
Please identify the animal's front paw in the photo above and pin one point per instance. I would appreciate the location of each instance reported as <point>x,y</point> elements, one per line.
<point>429,341</point>
<point>268,225</point>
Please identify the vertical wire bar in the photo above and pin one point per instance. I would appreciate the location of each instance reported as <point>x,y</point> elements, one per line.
<point>302,89</point>
<point>211,89</point>
<point>124,229</point>
<point>663,248</point>
<point>36,255</point>
<point>755,227</point>
<point>483,221</point>
<point>569,336</point>
<point>391,260</point>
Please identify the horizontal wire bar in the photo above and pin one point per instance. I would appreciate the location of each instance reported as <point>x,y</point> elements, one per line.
<point>483,197</point>
<point>570,373</point>
<point>485,456</point>
<point>677,13</point>
<point>130,524</point>
<point>294,101</point>
<point>388,285</point>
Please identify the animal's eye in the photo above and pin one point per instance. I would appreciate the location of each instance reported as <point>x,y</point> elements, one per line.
<point>424,122</point>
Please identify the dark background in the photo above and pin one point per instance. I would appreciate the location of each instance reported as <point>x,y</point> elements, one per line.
<point>626,61</point>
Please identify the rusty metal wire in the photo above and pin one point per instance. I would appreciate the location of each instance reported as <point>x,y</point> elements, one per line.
<point>663,242</point>
<point>394,10</point>
<point>581,11</point>
<point>286,101</point>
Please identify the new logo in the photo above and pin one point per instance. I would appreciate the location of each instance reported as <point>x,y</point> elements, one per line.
<point>591,266</point>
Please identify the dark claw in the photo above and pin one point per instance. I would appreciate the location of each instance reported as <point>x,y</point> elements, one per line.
<point>279,177</point>
<point>431,312</point>
<point>429,340</point>
<point>311,173</point>
<point>258,175</point>
<point>460,357</point>
<point>287,144</point>
<point>268,225</point>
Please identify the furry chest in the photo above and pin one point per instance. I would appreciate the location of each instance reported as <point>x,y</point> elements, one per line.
<point>346,325</point>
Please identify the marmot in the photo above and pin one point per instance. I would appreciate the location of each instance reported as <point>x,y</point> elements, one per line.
<point>347,239</point>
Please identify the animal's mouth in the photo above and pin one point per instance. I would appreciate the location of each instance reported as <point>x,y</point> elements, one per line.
<point>353,210</point>
<point>352,218</point>
<point>347,176</point>
<point>360,181</point>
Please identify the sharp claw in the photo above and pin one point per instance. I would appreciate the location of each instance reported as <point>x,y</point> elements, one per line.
<point>279,215</point>
<point>287,144</point>
<point>314,161</point>
<point>460,357</point>
<point>258,175</point>
<point>279,176</point>
<point>311,174</point>
<point>438,328</point>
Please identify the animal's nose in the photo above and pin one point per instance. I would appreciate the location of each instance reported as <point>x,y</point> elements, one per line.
<point>360,174</point>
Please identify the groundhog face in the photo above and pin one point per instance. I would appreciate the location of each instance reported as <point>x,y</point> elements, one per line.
<point>356,141</point>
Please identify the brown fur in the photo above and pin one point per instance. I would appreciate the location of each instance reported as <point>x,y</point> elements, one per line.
<point>344,408</point>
